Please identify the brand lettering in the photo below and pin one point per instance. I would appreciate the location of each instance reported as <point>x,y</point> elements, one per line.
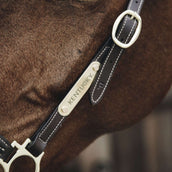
<point>80,89</point>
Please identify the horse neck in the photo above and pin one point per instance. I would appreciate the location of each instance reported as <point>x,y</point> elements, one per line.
<point>44,53</point>
<point>41,62</point>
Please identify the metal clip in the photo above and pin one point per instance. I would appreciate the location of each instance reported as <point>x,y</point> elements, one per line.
<point>22,151</point>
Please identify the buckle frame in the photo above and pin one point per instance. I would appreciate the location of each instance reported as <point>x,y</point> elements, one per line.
<point>22,151</point>
<point>136,34</point>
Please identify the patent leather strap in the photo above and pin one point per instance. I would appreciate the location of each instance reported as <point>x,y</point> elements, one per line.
<point>111,52</point>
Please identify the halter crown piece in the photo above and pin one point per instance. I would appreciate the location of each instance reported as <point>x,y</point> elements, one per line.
<point>97,76</point>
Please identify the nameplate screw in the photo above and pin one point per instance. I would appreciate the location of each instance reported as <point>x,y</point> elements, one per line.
<point>64,109</point>
<point>95,67</point>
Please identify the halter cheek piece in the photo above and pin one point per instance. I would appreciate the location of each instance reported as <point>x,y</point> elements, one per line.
<point>97,76</point>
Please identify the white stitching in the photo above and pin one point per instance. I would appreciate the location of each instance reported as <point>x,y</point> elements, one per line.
<point>126,19</point>
<point>101,53</point>
<point>105,48</point>
<point>130,4</point>
<point>130,31</point>
<point>48,124</point>
<point>42,140</point>
<point>100,75</point>
<point>2,149</point>
<point>115,63</point>
<point>92,99</point>
<point>108,78</point>
<point>55,129</point>
<point>141,3</point>
<point>3,142</point>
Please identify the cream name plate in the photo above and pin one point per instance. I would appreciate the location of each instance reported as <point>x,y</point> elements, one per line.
<point>79,89</point>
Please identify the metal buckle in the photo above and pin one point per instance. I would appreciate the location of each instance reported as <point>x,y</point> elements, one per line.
<point>22,151</point>
<point>137,32</point>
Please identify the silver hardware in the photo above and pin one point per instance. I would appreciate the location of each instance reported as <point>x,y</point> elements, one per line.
<point>22,151</point>
<point>137,32</point>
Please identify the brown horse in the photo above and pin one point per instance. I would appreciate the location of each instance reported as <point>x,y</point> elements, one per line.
<point>45,45</point>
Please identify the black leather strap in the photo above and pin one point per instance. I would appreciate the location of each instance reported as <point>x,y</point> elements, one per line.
<point>108,57</point>
<point>41,137</point>
<point>5,148</point>
<point>110,54</point>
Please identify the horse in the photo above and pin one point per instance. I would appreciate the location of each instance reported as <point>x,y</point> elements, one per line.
<point>45,45</point>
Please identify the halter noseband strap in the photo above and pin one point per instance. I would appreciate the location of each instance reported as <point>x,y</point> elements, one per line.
<point>125,32</point>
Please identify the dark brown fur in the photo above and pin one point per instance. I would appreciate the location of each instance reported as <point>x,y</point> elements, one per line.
<point>45,46</point>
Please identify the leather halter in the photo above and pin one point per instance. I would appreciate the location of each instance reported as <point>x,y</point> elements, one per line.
<point>125,31</point>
